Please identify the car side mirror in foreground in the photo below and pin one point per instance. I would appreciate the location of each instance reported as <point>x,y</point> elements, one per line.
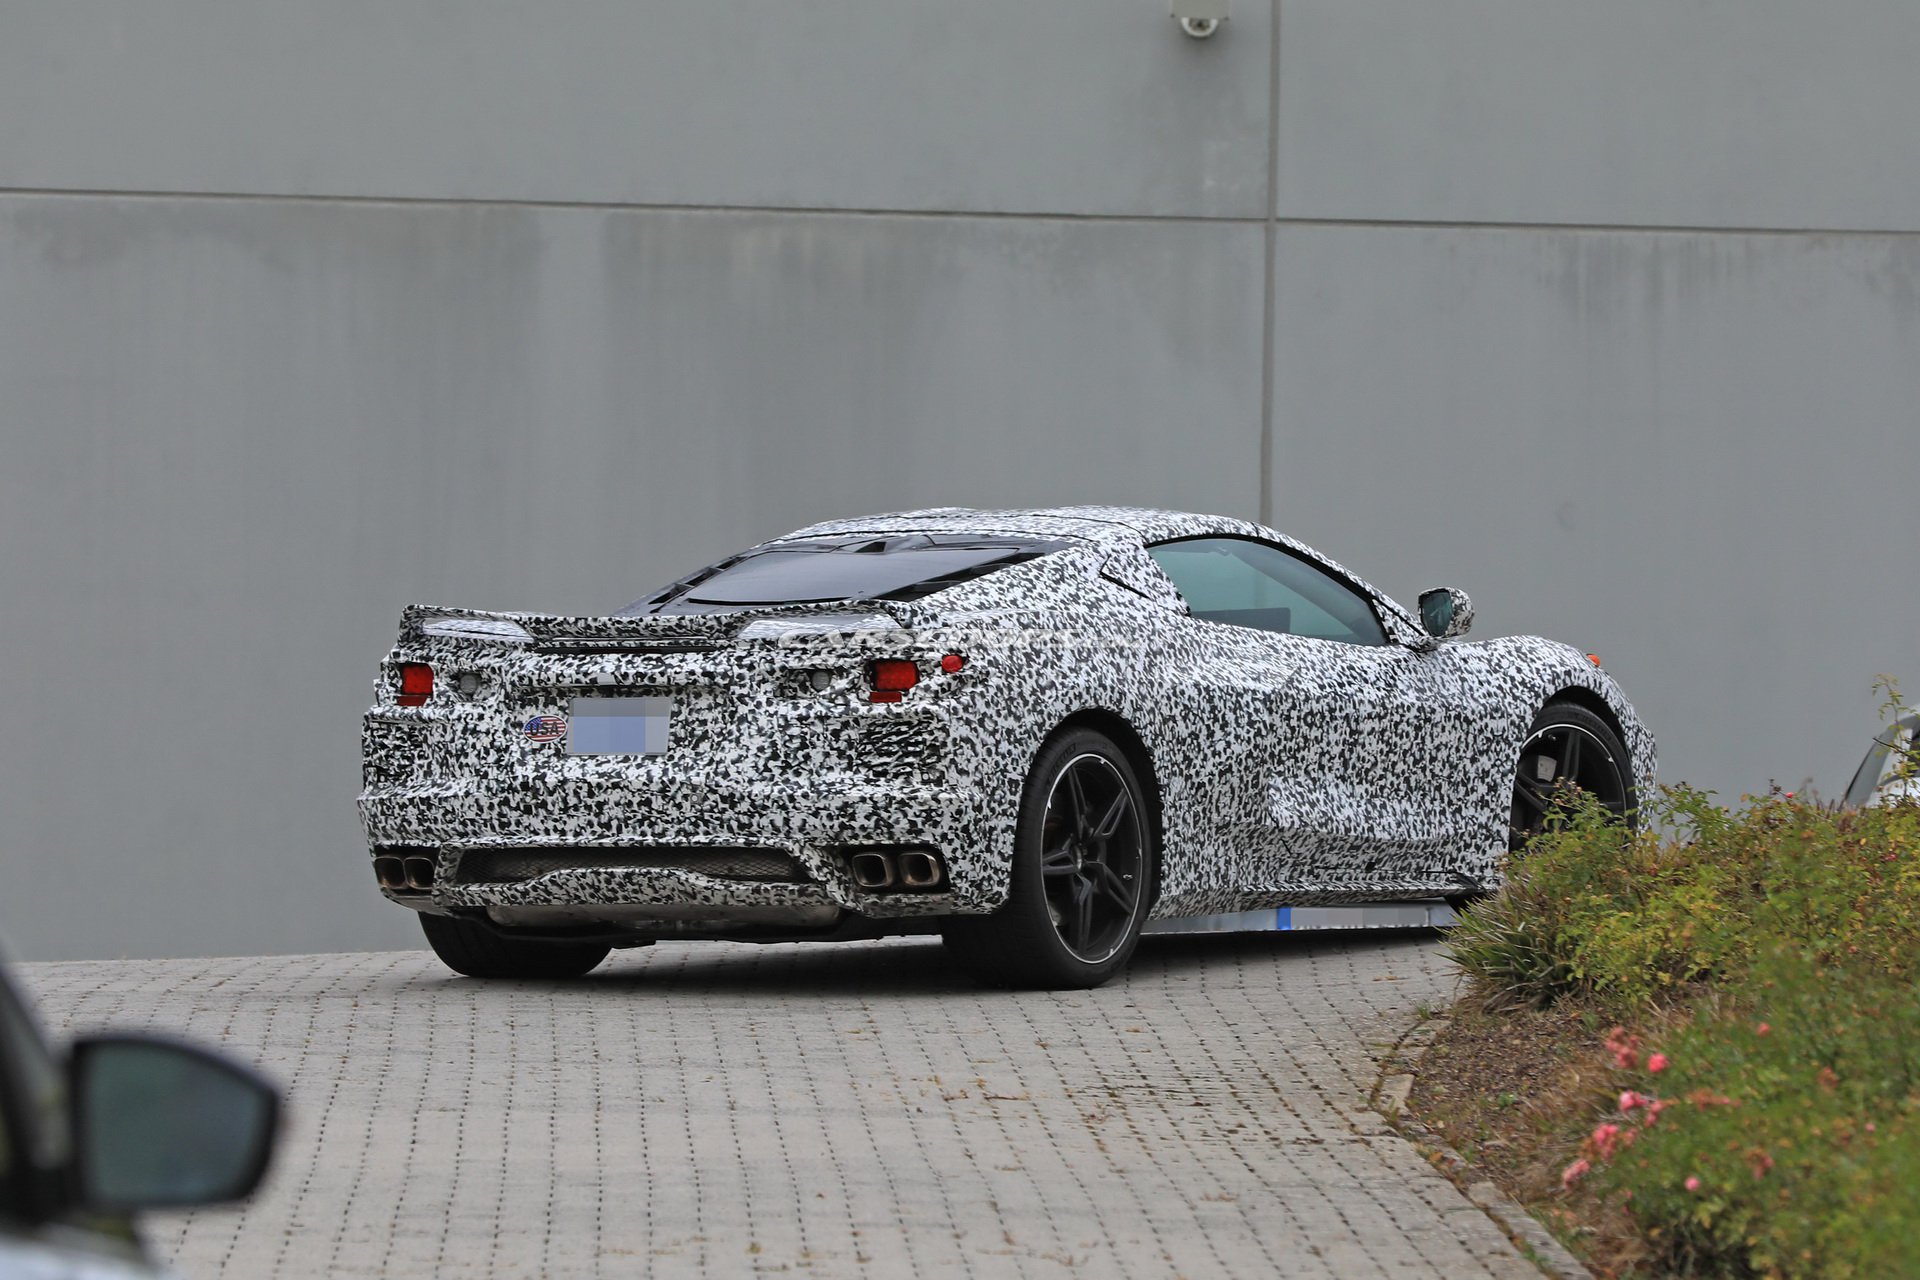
<point>158,1124</point>
<point>1445,613</point>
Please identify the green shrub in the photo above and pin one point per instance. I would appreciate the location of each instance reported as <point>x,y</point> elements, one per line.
<point>1624,917</point>
<point>1786,1136</point>
<point>1694,893</point>
<point>1786,1143</point>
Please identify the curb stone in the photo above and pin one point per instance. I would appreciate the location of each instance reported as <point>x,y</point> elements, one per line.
<point>1539,1245</point>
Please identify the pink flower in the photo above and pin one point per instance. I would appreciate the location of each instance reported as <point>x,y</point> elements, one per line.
<point>1574,1172</point>
<point>1760,1161</point>
<point>1657,1063</point>
<point>1625,1048</point>
<point>1871,1126</point>
<point>1604,1138</point>
<point>1629,1100</point>
<point>1692,1184</point>
<point>1762,1029</point>
<point>1654,1109</point>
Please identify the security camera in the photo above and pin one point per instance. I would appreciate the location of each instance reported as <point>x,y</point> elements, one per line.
<point>1200,18</point>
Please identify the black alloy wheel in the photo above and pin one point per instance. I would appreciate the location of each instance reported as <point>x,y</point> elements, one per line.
<point>1569,749</point>
<point>1090,857</point>
<point>1082,874</point>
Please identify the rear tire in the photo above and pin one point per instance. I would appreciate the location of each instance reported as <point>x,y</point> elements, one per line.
<point>477,951</point>
<point>1082,876</point>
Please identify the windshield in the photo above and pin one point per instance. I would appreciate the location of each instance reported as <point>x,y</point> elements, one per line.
<point>823,570</point>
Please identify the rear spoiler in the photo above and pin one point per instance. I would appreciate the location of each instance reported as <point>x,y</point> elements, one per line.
<point>559,633</point>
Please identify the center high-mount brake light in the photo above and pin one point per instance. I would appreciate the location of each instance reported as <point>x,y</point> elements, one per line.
<point>890,678</point>
<point>416,683</point>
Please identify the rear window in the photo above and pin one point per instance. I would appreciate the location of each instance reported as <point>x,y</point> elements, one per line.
<point>823,570</point>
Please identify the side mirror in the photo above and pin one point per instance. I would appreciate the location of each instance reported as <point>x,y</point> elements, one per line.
<point>1445,613</point>
<point>160,1125</point>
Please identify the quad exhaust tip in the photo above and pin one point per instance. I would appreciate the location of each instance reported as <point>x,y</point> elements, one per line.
<point>908,870</point>
<point>873,870</point>
<point>400,875</point>
<point>919,869</point>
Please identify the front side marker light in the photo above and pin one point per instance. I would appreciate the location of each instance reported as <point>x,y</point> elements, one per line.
<point>416,684</point>
<point>952,663</point>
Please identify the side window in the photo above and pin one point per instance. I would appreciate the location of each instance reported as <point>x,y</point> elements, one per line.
<point>1252,584</point>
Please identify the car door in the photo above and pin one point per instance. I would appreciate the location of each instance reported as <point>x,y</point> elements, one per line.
<point>34,1147</point>
<point>1356,777</point>
<point>33,1130</point>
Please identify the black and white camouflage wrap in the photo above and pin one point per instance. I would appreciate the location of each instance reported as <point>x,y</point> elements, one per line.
<point>1285,770</point>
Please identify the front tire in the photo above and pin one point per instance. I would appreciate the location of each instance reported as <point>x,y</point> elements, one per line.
<point>1568,748</point>
<point>1083,868</point>
<point>477,951</point>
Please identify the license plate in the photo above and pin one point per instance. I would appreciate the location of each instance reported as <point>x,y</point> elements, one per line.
<point>618,726</point>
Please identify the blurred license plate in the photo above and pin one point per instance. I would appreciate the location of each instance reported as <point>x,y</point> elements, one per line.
<point>618,726</point>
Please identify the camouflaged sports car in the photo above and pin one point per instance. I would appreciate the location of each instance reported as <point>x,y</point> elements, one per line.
<point>1037,733</point>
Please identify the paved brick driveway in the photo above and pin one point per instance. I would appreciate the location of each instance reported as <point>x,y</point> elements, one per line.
<point>830,1110</point>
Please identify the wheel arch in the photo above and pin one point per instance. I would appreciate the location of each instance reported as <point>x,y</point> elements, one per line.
<point>1117,729</point>
<point>1639,766</point>
<point>1592,701</point>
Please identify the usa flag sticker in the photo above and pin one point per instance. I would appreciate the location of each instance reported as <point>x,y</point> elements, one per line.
<point>545,728</point>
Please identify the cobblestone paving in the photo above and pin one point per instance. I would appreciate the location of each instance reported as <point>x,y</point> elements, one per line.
<point>833,1110</point>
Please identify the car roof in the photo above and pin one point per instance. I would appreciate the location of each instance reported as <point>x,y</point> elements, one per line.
<point>1122,532</point>
<point>1108,526</point>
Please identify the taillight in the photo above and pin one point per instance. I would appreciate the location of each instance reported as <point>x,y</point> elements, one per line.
<point>890,678</point>
<point>416,682</point>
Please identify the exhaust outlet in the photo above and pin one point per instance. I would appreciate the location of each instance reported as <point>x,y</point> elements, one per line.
<point>872,869</point>
<point>919,869</point>
<point>390,873</point>
<point>419,873</point>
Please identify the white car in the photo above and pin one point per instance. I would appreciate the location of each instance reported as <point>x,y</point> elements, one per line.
<point>1891,770</point>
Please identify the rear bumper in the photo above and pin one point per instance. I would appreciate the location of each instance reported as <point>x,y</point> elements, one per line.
<point>816,825</point>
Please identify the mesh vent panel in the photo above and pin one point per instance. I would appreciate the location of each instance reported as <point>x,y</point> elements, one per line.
<point>495,865</point>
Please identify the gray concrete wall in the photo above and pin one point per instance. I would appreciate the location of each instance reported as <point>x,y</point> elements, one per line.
<point>1692,454</point>
<point>1643,113</point>
<point>1071,106</point>
<point>1607,314</point>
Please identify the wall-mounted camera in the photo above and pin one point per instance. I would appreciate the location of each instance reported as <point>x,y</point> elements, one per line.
<point>1200,18</point>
